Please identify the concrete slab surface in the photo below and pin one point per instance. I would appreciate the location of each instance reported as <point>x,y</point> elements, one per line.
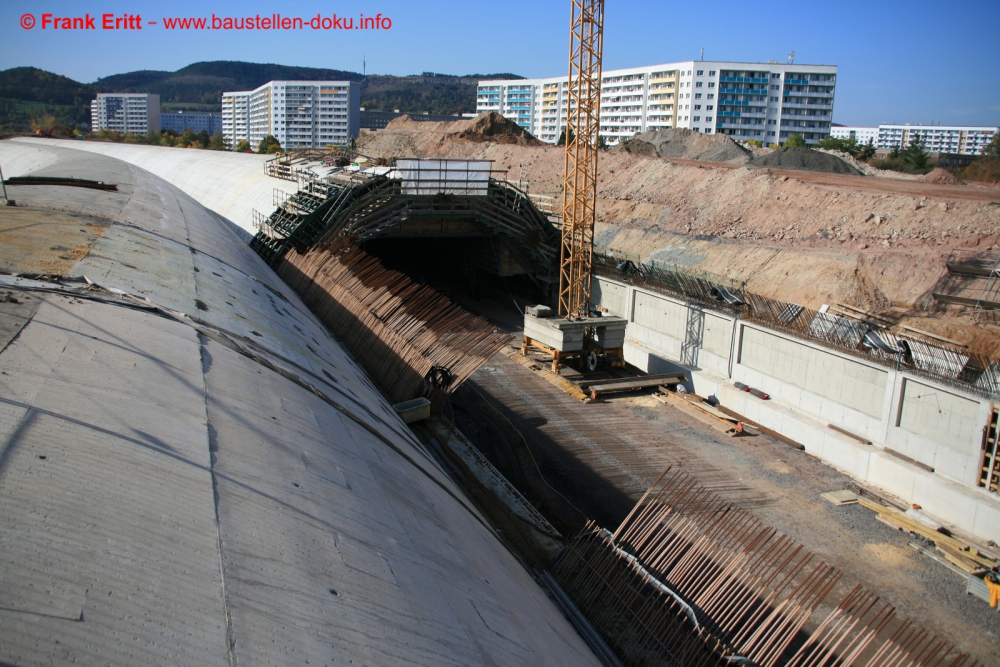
<point>207,477</point>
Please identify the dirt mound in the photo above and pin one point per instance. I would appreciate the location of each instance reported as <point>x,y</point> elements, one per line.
<point>636,147</point>
<point>942,177</point>
<point>690,145</point>
<point>491,126</point>
<point>804,159</point>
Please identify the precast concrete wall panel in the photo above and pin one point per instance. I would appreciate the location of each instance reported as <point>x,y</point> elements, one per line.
<point>718,336</point>
<point>949,420</point>
<point>660,315</point>
<point>847,382</point>
<point>612,296</point>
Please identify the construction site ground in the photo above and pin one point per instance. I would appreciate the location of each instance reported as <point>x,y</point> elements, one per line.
<point>576,461</point>
<point>879,242</point>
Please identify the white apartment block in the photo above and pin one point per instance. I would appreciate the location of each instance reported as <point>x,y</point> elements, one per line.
<point>128,113</point>
<point>299,114</point>
<point>235,118</point>
<point>937,138</point>
<point>766,102</point>
<point>862,135</point>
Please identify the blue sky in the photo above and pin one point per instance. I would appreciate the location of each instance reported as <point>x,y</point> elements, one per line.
<point>917,61</point>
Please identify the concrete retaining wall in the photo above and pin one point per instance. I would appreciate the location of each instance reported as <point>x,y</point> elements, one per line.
<point>811,387</point>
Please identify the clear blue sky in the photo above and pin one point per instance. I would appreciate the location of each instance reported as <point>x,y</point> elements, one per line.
<point>916,61</point>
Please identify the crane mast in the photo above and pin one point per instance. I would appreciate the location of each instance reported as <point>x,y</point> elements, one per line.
<point>580,165</point>
<point>575,333</point>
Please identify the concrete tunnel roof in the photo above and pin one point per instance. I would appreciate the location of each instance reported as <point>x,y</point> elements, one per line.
<point>208,477</point>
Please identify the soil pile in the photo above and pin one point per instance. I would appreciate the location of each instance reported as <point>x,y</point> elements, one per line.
<point>691,145</point>
<point>941,176</point>
<point>491,126</point>
<point>636,147</point>
<point>804,159</point>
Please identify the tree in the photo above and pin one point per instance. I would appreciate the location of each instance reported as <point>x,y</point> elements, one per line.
<point>602,144</point>
<point>987,167</point>
<point>866,152</point>
<point>562,137</point>
<point>849,146</point>
<point>895,152</point>
<point>795,141</point>
<point>269,144</point>
<point>915,155</point>
<point>242,146</point>
<point>216,142</point>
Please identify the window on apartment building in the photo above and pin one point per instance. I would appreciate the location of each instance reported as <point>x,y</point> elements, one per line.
<point>709,108</point>
<point>711,96</point>
<point>775,87</point>
<point>697,107</point>
<point>688,95</point>
<point>711,72</point>
<point>701,72</point>
<point>697,96</point>
<point>775,75</point>
<point>698,85</point>
<point>774,99</point>
<point>711,84</point>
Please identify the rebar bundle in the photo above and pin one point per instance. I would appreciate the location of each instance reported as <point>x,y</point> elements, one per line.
<point>410,338</point>
<point>690,579</point>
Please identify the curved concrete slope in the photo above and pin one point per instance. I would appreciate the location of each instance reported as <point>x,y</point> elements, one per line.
<point>231,184</point>
<point>224,487</point>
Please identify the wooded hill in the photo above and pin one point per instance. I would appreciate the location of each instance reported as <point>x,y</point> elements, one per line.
<point>27,90</point>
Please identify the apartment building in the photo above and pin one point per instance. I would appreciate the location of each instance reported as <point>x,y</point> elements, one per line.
<point>128,113</point>
<point>862,135</point>
<point>196,122</point>
<point>766,102</point>
<point>963,140</point>
<point>299,114</point>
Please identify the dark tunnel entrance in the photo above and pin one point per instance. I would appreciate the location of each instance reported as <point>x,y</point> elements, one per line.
<point>474,267</point>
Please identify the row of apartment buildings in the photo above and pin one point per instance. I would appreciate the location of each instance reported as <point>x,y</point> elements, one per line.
<point>299,114</point>
<point>767,102</point>
<point>961,140</point>
<point>139,113</point>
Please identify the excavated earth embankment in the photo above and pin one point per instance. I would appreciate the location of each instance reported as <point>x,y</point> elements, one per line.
<point>810,237</point>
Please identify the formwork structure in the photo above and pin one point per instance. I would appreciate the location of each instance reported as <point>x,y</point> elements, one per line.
<point>418,199</point>
<point>690,579</point>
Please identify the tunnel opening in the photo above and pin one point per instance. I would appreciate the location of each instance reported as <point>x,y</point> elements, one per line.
<point>469,268</point>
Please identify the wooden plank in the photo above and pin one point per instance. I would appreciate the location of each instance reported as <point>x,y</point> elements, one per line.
<point>763,429</point>
<point>909,460</point>
<point>911,525</point>
<point>623,385</point>
<point>661,379</point>
<point>689,408</point>
<point>966,301</point>
<point>558,381</point>
<point>863,441</point>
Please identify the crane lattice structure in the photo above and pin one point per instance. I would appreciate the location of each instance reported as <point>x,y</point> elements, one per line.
<point>580,175</point>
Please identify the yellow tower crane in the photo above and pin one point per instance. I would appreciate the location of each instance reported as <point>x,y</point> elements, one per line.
<point>575,333</point>
<point>583,111</point>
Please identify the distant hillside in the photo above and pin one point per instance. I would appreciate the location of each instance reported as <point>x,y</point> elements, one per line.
<point>203,84</point>
<point>31,84</point>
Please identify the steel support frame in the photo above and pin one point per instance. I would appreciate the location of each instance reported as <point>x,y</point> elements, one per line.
<point>580,164</point>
